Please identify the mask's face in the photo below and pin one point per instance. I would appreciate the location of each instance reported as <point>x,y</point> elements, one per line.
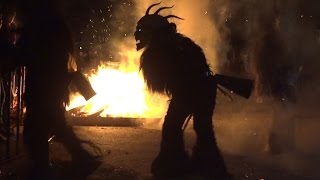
<point>142,35</point>
<point>146,27</point>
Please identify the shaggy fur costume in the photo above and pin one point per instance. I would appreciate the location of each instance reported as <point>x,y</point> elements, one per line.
<point>175,65</point>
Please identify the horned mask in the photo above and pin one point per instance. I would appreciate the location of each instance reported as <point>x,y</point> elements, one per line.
<point>149,24</point>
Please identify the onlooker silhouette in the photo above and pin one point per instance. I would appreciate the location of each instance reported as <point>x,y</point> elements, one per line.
<point>277,70</point>
<point>44,48</point>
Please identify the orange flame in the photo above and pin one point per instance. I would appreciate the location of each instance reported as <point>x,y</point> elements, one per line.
<point>121,91</point>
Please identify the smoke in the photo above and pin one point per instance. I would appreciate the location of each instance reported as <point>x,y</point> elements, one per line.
<point>293,26</point>
<point>243,25</point>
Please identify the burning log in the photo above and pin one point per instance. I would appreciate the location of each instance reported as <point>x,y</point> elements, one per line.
<point>109,121</point>
<point>77,112</point>
<point>76,117</point>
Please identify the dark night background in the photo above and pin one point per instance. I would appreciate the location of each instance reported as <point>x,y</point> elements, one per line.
<point>96,23</point>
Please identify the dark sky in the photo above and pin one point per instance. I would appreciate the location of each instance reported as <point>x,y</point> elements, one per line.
<point>96,22</point>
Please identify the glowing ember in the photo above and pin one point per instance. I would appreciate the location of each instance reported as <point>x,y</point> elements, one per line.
<point>121,92</point>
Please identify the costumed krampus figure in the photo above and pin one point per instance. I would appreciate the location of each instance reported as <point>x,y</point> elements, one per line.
<point>172,63</point>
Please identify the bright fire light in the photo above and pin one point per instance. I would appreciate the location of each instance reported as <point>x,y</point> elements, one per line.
<point>121,92</point>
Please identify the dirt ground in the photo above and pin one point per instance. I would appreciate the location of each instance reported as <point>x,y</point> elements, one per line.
<point>127,152</point>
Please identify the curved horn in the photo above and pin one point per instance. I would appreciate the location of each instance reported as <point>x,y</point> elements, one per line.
<point>160,9</point>
<point>173,16</point>
<point>152,5</point>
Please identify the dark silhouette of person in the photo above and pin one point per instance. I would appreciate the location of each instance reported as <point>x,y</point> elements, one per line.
<point>173,64</point>
<point>277,72</point>
<point>44,48</point>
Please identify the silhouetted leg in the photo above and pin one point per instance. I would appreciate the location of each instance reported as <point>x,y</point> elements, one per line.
<point>206,157</point>
<point>81,158</point>
<point>36,141</point>
<point>172,159</point>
